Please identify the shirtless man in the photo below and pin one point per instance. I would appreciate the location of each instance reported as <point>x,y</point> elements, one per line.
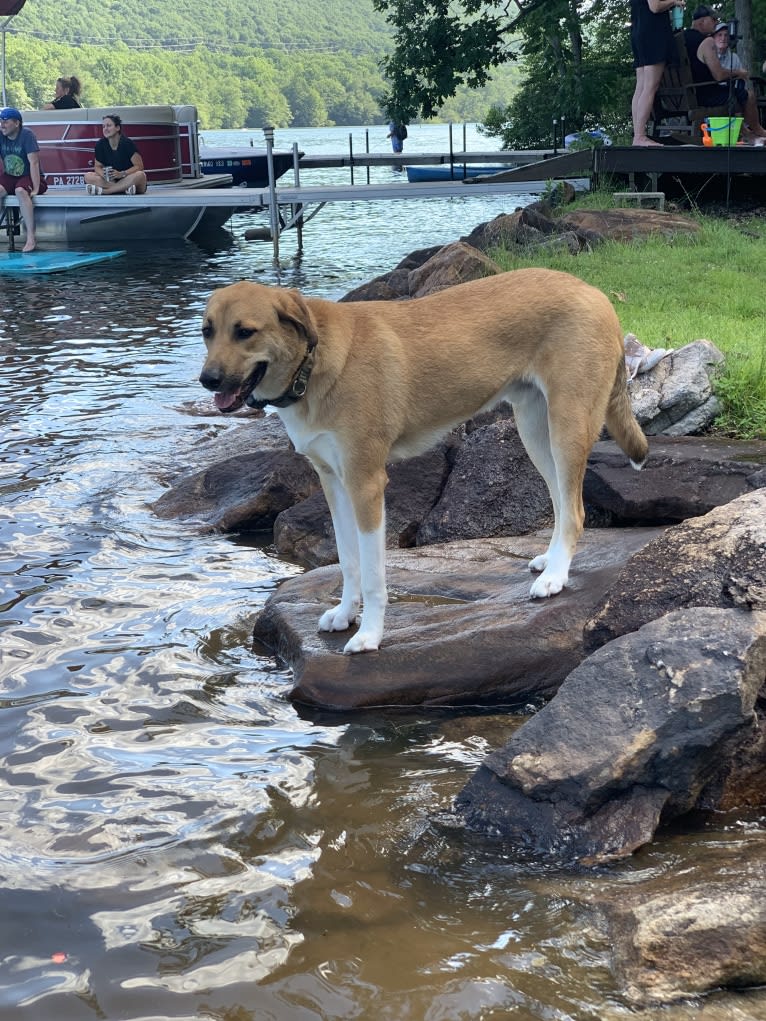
<point>705,65</point>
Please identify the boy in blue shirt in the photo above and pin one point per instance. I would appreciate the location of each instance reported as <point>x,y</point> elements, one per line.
<point>21,175</point>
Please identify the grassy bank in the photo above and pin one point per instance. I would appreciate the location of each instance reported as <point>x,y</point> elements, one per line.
<point>672,292</point>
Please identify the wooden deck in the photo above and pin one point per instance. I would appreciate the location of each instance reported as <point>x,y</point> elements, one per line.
<point>681,159</point>
<point>660,160</point>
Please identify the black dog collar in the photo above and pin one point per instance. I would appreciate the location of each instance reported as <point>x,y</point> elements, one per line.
<point>297,388</point>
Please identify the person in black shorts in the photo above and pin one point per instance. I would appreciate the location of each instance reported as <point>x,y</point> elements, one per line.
<point>651,39</point>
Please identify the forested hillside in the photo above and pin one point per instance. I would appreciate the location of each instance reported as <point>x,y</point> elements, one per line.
<point>224,26</point>
<point>280,62</point>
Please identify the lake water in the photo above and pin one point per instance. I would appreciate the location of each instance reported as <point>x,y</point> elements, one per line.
<point>351,242</point>
<point>176,840</point>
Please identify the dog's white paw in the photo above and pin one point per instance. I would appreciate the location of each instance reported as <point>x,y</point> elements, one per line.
<point>337,618</point>
<point>548,584</point>
<point>363,641</point>
<point>539,563</point>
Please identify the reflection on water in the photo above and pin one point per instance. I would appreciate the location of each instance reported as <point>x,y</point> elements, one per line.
<point>176,841</point>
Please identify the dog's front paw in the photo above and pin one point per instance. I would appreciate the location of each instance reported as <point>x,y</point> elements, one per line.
<point>548,584</point>
<point>363,641</point>
<point>337,618</point>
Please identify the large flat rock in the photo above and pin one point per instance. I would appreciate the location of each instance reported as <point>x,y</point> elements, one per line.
<point>460,627</point>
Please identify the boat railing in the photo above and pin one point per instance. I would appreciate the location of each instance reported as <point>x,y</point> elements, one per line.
<point>166,137</point>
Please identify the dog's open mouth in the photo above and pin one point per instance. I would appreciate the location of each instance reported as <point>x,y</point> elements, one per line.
<point>233,401</point>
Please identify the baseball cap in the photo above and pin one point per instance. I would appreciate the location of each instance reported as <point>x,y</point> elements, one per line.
<point>721,25</point>
<point>10,113</point>
<point>703,11</point>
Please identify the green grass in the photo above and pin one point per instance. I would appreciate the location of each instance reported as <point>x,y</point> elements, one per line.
<point>670,292</point>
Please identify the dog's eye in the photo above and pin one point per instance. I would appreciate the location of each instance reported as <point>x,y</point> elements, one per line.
<point>207,331</point>
<point>244,332</point>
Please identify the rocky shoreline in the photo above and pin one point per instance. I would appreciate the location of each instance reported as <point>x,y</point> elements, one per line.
<point>652,664</point>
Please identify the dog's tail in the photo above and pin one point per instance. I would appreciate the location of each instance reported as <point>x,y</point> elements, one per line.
<point>621,422</point>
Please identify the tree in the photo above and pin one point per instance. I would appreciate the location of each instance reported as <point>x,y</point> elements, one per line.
<point>759,42</point>
<point>578,71</point>
<point>439,45</point>
<point>306,102</point>
<point>743,12</point>
<point>572,62</point>
<point>574,57</point>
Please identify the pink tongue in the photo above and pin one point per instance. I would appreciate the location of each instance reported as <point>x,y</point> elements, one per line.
<point>223,401</point>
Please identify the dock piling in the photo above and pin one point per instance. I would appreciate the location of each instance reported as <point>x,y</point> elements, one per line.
<point>268,134</point>
<point>297,210</point>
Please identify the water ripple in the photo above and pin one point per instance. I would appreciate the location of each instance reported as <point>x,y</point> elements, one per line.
<point>176,840</point>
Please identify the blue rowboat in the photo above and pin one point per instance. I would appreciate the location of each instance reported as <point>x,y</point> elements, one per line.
<point>445,172</point>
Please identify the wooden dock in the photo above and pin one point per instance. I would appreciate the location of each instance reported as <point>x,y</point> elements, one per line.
<point>287,207</point>
<point>688,168</point>
<point>511,157</point>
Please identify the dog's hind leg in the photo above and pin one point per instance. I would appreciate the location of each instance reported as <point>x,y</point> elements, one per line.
<point>573,429</point>
<point>342,616</point>
<point>369,508</point>
<point>530,412</point>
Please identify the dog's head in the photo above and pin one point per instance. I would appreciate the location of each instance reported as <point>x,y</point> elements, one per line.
<point>256,339</point>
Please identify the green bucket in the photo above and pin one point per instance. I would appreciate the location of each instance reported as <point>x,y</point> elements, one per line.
<point>725,130</point>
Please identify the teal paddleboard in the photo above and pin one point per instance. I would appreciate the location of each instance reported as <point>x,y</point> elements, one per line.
<point>51,262</point>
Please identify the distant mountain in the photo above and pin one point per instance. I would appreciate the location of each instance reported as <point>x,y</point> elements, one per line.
<point>226,26</point>
<point>242,64</point>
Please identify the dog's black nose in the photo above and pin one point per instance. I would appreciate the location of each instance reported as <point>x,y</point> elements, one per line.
<point>211,379</point>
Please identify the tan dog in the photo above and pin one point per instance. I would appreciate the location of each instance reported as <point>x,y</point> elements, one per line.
<point>359,384</point>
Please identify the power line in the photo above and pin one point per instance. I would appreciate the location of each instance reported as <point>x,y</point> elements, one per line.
<point>189,45</point>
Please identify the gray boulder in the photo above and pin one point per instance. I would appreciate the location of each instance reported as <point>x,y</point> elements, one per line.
<point>452,264</point>
<point>479,482</point>
<point>304,531</point>
<point>676,397</point>
<point>393,285</point>
<point>683,477</point>
<point>492,489</point>
<point>718,559</point>
<point>622,224</point>
<point>642,731</point>
<point>243,492</point>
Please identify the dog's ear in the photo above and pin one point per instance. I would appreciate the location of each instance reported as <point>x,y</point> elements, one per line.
<point>295,311</point>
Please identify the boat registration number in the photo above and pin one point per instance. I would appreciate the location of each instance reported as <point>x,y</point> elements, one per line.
<point>65,180</point>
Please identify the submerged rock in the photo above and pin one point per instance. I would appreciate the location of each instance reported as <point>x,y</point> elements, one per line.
<point>700,930</point>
